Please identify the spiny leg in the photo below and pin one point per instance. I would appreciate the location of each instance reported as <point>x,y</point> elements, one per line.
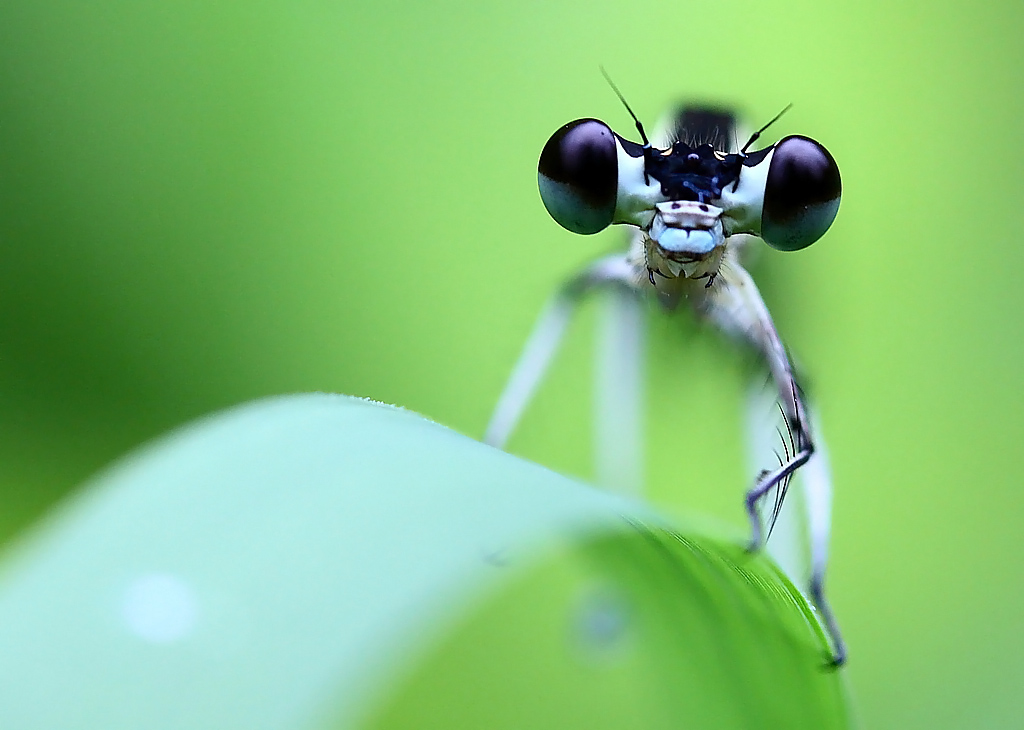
<point>799,544</point>
<point>797,453</point>
<point>736,306</point>
<point>767,442</point>
<point>544,341</point>
<point>768,481</point>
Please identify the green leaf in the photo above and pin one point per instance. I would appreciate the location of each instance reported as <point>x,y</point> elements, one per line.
<point>319,560</point>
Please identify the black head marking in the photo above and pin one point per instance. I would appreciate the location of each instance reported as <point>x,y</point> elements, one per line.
<point>694,173</point>
<point>699,165</point>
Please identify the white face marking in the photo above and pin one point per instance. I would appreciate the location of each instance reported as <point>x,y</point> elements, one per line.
<point>635,202</point>
<point>686,226</point>
<point>742,207</point>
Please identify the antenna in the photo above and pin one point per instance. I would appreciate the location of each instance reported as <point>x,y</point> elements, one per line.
<point>755,135</point>
<point>639,126</point>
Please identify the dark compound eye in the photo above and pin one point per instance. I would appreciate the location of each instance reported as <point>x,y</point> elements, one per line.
<point>801,194</point>
<point>578,176</point>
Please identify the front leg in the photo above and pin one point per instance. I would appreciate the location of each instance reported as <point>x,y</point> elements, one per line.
<point>735,305</point>
<point>767,480</point>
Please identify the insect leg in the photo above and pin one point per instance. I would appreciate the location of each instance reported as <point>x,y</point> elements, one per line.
<point>786,522</point>
<point>817,485</point>
<point>619,392</point>
<point>543,343</point>
<point>736,306</point>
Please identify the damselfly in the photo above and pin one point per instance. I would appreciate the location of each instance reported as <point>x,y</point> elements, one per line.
<point>693,203</point>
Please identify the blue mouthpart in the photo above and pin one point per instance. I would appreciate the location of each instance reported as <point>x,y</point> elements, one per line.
<point>684,240</point>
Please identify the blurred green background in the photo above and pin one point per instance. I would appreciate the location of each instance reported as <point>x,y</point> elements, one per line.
<point>202,203</point>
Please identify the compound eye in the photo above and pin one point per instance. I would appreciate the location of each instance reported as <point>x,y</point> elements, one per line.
<point>801,194</point>
<point>578,176</point>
